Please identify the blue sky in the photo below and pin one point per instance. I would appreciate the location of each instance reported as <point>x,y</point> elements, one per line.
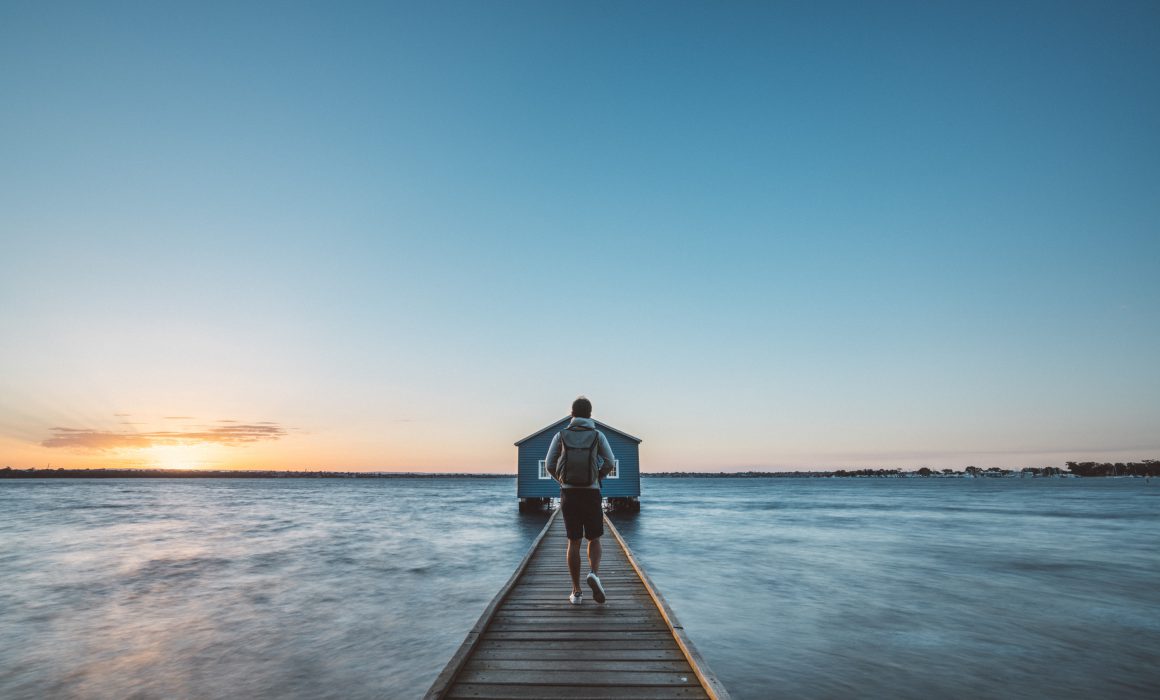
<point>767,235</point>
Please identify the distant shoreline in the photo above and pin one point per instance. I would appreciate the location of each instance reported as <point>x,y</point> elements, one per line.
<point>1145,468</point>
<point>230,474</point>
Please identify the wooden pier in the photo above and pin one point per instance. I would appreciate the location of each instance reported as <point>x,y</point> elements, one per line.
<point>531,642</point>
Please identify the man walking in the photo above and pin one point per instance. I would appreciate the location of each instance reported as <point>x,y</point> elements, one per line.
<point>578,458</point>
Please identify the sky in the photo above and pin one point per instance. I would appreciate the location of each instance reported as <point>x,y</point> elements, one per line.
<point>402,236</point>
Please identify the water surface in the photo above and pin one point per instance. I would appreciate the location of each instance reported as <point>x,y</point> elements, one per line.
<point>912,588</point>
<point>258,588</point>
<point>809,588</point>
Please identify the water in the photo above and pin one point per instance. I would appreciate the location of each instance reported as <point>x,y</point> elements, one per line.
<point>805,588</point>
<point>912,588</point>
<point>261,588</point>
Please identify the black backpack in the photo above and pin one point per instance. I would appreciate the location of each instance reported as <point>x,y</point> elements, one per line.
<point>579,449</point>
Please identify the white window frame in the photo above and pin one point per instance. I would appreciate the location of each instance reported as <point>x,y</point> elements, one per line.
<point>544,469</point>
<point>615,473</point>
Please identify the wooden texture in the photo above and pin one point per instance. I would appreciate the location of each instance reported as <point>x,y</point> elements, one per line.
<point>531,642</point>
<point>708,679</point>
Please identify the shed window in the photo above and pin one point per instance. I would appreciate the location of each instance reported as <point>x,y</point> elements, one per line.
<point>544,470</point>
<point>615,473</point>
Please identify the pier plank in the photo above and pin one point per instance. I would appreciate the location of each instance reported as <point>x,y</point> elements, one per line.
<point>526,646</point>
<point>574,679</point>
<point>554,692</point>
<point>595,653</point>
<point>565,635</point>
<point>574,665</point>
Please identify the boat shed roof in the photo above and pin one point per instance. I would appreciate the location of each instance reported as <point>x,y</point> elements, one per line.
<point>565,419</point>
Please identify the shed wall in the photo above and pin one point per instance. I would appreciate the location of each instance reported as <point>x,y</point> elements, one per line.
<point>529,485</point>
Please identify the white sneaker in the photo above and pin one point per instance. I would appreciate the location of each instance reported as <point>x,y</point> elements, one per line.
<point>597,588</point>
<point>576,598</point>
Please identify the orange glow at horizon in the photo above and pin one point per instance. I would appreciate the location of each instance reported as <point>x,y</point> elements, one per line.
<point>179,457</point>
<point>324,451</point>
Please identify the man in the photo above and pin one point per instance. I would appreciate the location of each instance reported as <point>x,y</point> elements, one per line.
<point>578,458</point>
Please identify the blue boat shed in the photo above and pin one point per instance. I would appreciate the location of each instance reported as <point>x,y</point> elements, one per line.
<point>535,487</point>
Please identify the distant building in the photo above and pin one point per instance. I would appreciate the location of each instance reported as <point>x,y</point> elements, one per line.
<point>534,486</point>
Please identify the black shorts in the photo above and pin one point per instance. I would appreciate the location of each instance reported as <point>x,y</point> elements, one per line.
<point>583,514</point>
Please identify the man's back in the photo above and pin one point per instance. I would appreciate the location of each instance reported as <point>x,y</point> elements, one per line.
<point>578,458</point>
<point>578,429</point>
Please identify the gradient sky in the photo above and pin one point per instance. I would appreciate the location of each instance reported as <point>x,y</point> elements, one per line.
<point>403,236</point>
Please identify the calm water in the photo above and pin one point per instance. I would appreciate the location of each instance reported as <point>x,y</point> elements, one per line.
<point>363,589</point>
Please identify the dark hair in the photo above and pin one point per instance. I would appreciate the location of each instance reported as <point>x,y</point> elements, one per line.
<point>582,407</point>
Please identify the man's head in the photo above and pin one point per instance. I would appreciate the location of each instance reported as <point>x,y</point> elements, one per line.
<point>582,407</point>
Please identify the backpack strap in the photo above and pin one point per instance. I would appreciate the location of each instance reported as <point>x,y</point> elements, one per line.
<point>593,459</point>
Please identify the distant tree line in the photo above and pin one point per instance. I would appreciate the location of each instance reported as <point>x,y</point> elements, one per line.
<point>869,472</point>
<point>1045,471</point>
<point>59,473</point>
<point>1148,467</point>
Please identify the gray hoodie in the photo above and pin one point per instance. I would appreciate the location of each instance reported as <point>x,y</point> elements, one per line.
<point>604,451</point>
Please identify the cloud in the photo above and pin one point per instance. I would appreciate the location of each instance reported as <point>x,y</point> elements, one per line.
<point>101,440</point>
<point>178,417</point>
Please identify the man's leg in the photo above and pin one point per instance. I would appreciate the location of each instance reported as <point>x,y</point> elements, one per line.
<point>573,557</point>
<point>593,529</point>
<point>593,558</point>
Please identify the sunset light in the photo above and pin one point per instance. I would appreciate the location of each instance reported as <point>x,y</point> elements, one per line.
<point>179,457</point>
